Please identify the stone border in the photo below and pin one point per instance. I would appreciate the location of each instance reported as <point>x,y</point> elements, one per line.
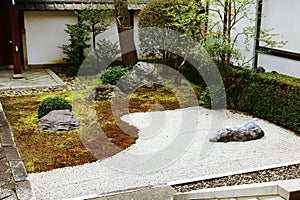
<point>286,189</point>
<point>55,77</point>
<point>221,175</point>
<point>16,166</point>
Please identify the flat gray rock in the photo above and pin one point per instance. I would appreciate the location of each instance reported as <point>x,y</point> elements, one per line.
<point>250,131</point>
<point>58,120</point>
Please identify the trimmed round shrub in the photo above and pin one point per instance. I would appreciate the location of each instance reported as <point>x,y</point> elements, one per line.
<point>112,75</point>
<point>52,103</point>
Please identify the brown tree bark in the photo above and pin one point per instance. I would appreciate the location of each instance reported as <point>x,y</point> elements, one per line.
<point>126,34</point>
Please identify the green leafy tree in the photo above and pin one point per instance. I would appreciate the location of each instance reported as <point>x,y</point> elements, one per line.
<point>107,50</point>
<point>91,21</point>
<point>96,20</point>
<point>229,14</point>
<point>78,42</point>
<point>212,22</point>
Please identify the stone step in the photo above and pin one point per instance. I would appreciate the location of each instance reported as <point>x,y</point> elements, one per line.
<point>256,198</point>
<point>279,190</point>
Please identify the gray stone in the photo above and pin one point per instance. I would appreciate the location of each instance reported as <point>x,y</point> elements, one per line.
<point>104,92</point>
<point>58,120</point>
<point>18,170</point>
<point>18,76</point>
<point>5,193</point>
<point>250,131</point>
<point>24,191</point>
<point>142,75</point>
<point>260,69</point>
<point>12,154</point>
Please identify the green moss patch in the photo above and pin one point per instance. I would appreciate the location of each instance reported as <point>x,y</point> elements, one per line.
<point>46,150</point>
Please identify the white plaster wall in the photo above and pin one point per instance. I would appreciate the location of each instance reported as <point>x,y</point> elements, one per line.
<point>280,65</point>
<point>284,17</point>
<point>44,33</point>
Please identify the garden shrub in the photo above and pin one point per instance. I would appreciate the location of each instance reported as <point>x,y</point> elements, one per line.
<point>112,75</point>
<point>52,103</point>
<point>270,96</point>
<point>78,42</point>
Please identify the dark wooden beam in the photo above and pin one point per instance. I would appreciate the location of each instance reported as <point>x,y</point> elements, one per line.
<point>15,36</point>
<point>280,53</point>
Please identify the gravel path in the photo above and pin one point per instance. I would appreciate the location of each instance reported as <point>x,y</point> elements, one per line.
<point>172,154</point>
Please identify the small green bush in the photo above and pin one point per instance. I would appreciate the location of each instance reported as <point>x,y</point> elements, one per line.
<point>112,75</point>
<point>52,103</point>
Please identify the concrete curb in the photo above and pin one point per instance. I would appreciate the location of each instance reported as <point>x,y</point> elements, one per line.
<point>55,77</point>
<point>289,189</point>
<point>144,193</point>
<point>215,176</point>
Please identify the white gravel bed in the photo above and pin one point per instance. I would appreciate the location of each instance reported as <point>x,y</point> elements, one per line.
<point>173,145</point>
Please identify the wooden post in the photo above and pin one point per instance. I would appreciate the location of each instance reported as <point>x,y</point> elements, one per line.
<point>125,32</point>
<point>257,33</point>
<point>15,37</point>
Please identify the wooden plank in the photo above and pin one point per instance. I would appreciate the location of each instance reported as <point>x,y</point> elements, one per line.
<point>15,36</point>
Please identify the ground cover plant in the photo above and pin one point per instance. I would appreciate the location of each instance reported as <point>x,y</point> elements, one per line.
<point>46,150</point>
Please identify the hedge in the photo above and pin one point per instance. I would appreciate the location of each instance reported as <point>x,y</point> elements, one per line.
<point>270,96</point>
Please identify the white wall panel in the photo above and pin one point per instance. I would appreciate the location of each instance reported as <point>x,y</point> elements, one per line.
<point>44,33</point>
<point>284,17</point>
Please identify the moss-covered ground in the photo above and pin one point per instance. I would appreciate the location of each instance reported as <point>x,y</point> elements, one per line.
<point>46,150</point>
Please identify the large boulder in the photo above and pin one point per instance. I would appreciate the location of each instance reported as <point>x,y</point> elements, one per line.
<point>104,92</point>
<point>58,120</point>
<point>250,131</point>
<point>143,74</point>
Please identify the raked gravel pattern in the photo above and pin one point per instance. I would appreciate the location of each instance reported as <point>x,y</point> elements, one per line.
<point>173,145</point>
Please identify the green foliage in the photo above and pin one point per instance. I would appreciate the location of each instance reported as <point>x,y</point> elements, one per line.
<point>213,91</point>
<point>107,50</point>
<point>217,47</point>
<point>79,37</point>
<point>155,14</point>
<point>188,17</point>
<point>95,20</point>
<point>218,30</point>
<point>90,20</point>
<point>270,96</point>
<point>52,103</point>
<point>112,75</point>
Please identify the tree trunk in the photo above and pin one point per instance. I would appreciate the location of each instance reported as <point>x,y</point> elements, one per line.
<point>126,33</point>
<point>229,27</point>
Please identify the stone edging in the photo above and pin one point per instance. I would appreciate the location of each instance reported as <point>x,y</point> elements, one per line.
<point>22,188</point>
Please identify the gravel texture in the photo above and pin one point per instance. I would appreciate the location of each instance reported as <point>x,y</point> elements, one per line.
<point>275,174</point>
<point>171,154</point>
